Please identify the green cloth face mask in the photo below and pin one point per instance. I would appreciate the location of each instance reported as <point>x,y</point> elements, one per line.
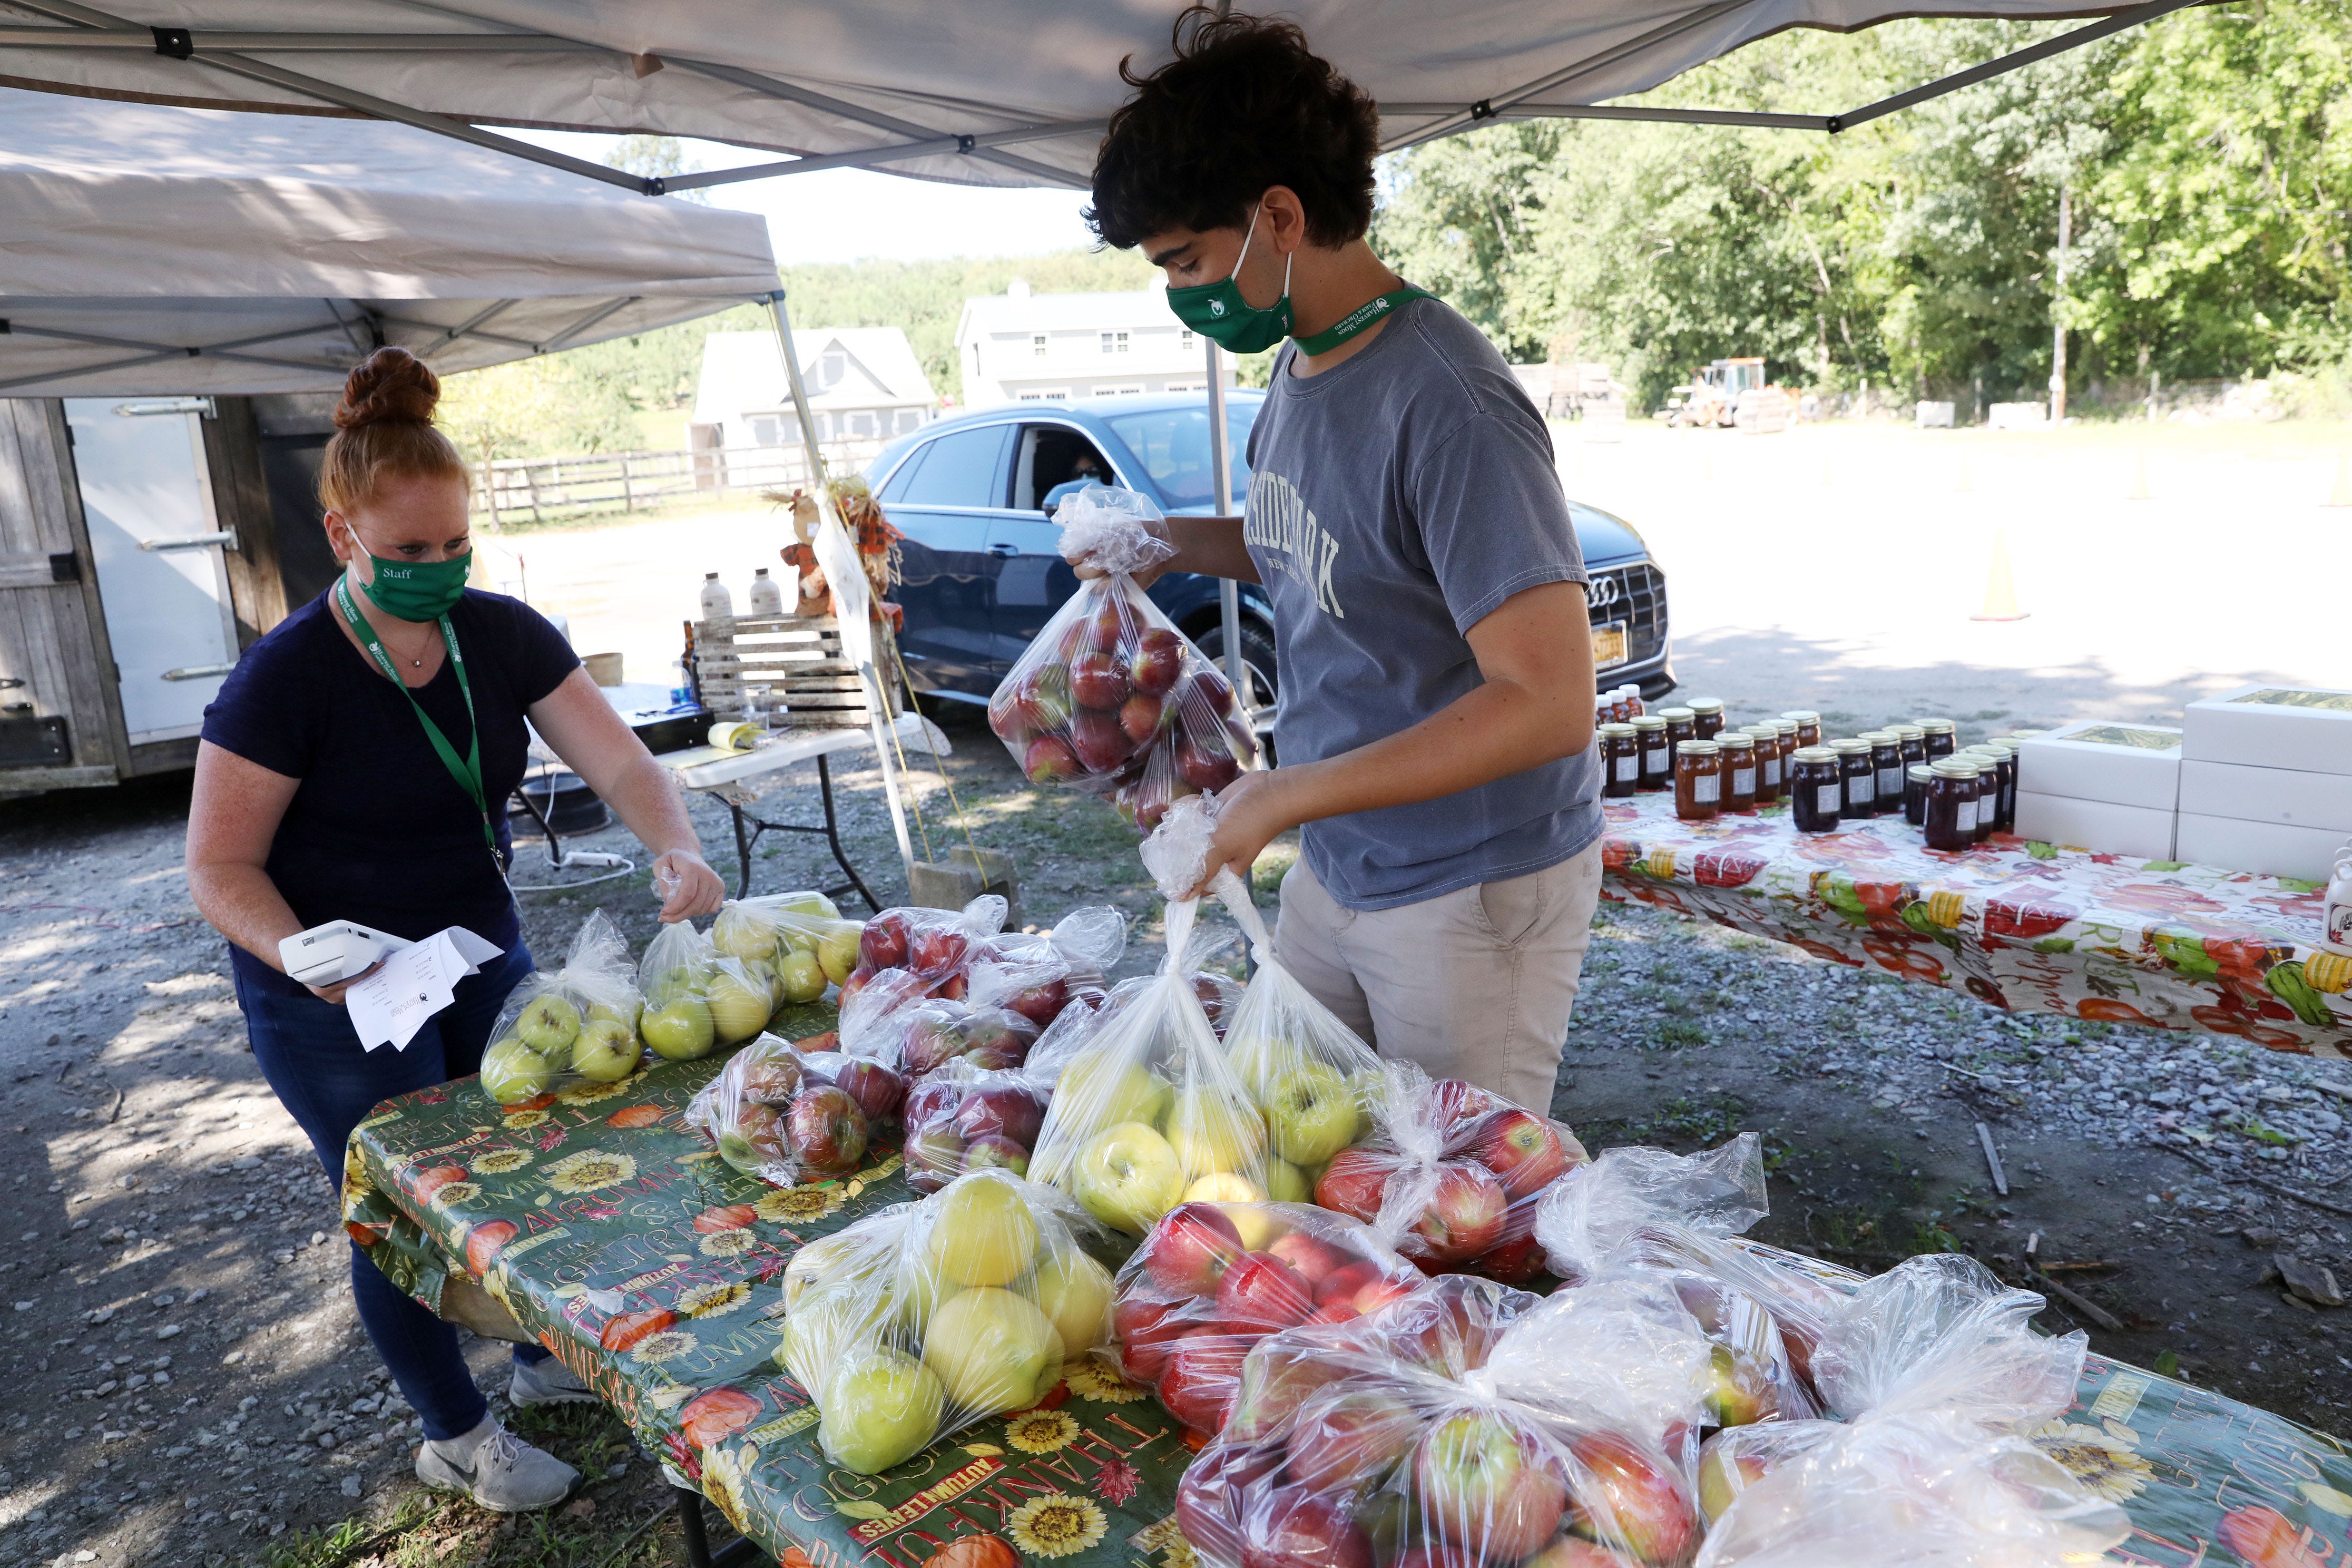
<point>1219,313</point>
<point>417,590</point>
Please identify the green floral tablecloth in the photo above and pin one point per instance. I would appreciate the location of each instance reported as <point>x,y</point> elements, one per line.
<point>619,1239</point>
<point>2017,923</point>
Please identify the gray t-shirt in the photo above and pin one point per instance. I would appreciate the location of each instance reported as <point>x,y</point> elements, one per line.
<point>1395,500</point>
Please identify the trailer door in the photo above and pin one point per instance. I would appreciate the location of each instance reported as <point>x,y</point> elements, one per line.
<point>156,539</point>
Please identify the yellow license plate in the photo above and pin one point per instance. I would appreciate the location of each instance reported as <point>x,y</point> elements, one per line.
<point>1609,645</point>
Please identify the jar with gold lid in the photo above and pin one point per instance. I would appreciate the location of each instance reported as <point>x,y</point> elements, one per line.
<point>1767,738</point>
<point>1939,738</point>
<point>1951,804</point>
<point>1808,724</point>
<point>1698,780</point>
<point>1816,792</point>
<point>1657,754</point>
<point>1708,711</point>
<point>1860,777</point>
<point>1621,760</point>
<point>1739,770</point>
<point>1886,766</point>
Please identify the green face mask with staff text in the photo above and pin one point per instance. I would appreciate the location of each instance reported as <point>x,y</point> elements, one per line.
<point>419,590</point>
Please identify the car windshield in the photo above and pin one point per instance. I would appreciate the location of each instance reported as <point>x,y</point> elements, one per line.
<point>1172,446</point>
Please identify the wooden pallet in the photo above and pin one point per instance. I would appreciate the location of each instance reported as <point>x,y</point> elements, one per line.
<point>792,667</point>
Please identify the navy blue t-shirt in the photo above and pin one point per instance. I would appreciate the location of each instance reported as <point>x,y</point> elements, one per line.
<point>380,832</point>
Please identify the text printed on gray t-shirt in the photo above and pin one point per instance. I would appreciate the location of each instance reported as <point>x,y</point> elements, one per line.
<point>1396,500</point>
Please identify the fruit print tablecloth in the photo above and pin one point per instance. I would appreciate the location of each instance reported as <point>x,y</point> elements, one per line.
<point>620,1239</point>
<point>2016,923</point>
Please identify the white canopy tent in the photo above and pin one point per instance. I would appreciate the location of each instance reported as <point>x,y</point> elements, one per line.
<point>1006,93</point>
<point>158,250</point>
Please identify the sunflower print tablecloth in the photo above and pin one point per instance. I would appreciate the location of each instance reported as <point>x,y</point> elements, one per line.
<point>2017,924</point>
<point>623,1244</point>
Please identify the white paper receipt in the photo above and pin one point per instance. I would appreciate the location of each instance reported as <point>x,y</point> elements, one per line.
<point>389,1006</point>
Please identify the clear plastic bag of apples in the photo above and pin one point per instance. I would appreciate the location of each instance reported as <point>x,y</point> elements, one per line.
<point>787,1113</point>
<point>575,1025</point>
<point>1111,697</point>
<point>929,1318</point>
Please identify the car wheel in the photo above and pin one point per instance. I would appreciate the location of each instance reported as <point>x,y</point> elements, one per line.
<point>1257,659</point>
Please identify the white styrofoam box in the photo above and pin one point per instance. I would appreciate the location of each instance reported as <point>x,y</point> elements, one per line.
<point>2287,795</point>
<point>2099,825</point>
<point>2091,759</point>
<point>2267,849</point>
<point>2306,728</point>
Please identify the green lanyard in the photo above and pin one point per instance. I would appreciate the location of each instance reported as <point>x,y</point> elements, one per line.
<point>468,772</point>
<point>1358,320</point>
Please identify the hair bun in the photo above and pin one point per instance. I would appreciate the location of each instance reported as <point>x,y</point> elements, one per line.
<point>392,385</point>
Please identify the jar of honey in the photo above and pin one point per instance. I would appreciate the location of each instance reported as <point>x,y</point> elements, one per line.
<point>1621,760</point>
<point>1808,724</point>
<point>1915,793</point>
<point>1950,816</point>
<point>1708,711</point>
<point>1657,755</point>
<point>1698,780</point>
<point>1739,770</point>
<point>1913,741</point>
<point>1861,778</point>
<point>1887,765</point>
<point>1816,792</point>
<point>1767,761</point>
<point>1938,735</point>
<point>1682,724</point>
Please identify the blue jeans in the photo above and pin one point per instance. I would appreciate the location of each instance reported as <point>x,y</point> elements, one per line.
<point>313,1060</point>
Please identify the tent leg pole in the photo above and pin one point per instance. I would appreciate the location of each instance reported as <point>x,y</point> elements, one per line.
<point>877,709</point>
<point>1229,594</point>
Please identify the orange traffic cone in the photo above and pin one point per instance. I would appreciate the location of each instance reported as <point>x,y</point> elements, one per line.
<point>2001,588</point>
<point>2341,494</point>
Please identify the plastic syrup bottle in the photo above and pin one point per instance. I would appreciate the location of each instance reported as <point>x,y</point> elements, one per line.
<point>718,605</point>
<point>767,595</point>
<point>2337,922</point>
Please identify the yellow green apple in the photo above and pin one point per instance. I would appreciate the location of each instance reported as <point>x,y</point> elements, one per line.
<point>1310,1110</point>
<point>740,1005</point>
<point>1102,1090</point>
<point>679,1031</point>
<point>512,1072</point>
<point>740,935</point>
<point>606,1052</point>
<point>549,1024</point>
<point>807,902</point>
<point>994,1351</point>
<point>982,1233</point>
<point>1128,1176</point>
<point>1287,1183</point>
<point>802,975</point>
<point>1222,1187</point>
<point>1074,1292</point>
<point>1212,1132</point>
<point>836,953</point>
<point>883,1407</point>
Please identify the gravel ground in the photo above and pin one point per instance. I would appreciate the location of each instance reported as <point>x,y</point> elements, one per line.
<point>187,1382</point>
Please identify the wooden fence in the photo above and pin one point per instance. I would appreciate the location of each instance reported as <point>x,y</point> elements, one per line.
<point>534,489</point>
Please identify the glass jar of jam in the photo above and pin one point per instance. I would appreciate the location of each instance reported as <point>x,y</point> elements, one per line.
<point>1861,779</point>
<point>1682,724</point>
<point>1621,760</point>
<point>1808,724</point>
<point>1915,793</point>
<point>1816,792</point>
<point>1698,780</point>
<point>1739,770</point>
<point>1708,711</point>
<point>1937,738</point>
<point>1914,741</point>
<point>2003,775</point>
<point>1887,765</point>
<point>1786,731</point>
<point>1767,762</point>
<point>1950,816</point>
<point>1657,754</point>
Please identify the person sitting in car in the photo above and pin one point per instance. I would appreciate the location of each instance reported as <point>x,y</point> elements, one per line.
<point>1085,473</point>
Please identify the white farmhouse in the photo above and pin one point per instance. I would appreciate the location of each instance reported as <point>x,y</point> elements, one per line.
<point>1020,347</point>
<point>865,386</point>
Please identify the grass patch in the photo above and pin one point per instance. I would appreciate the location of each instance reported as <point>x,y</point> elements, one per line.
<point>1677,1035</point>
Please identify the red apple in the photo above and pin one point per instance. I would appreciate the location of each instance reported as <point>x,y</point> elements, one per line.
<point>1519,1146</point>
<point>1108,628</point>
<point>1049,758</point>
<point>1043,1002</point>
<point>1458,1101</point>
<point>1202,1373</point>
<point>1263,1293</point>
<point>1207,768</point>
<point>1489,1487</point>
<point>932,1040</point>
<point>860,978</point>
<point>1353,1181</point>
<point>1514,1260</point>
<point>1139,718</point>
<point>827,1130</point>
<point>1626,1499</point>
<point>934,1158</point>
<point>1313,1258</point>
<point>1159,660</point>
<point>1100,680</point>
<point>772,1081</point>
<point>762,1127</point>
<point>1100,744</point>
<point>1272,1388</point>
<point>1190,1249</point>
<point>1464,1217</point>
<point>877,1091</point>
<point>1211,1498</point>
<point>1005,1112</point>
<point>1146,1330</point>
<point>935,950</point>
<point>936,1102</point>
<point>883,943</point>
<point>1342,1284</point>
<point>1351,1441</point>
<point>1042,701</point>
<point>1292,1527</point>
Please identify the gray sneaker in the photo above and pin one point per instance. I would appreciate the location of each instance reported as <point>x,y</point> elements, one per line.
<point>546,1382</point>
<point>504,1473</point>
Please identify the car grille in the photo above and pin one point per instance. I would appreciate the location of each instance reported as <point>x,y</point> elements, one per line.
<point>1641,603</point>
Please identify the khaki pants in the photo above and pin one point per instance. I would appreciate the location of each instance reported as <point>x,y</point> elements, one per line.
<point>1475,983</point>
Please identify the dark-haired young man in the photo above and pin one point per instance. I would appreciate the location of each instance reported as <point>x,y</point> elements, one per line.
<point>1403,511</point>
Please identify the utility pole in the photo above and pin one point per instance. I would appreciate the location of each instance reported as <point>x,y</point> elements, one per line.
<point>2058,311</point>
